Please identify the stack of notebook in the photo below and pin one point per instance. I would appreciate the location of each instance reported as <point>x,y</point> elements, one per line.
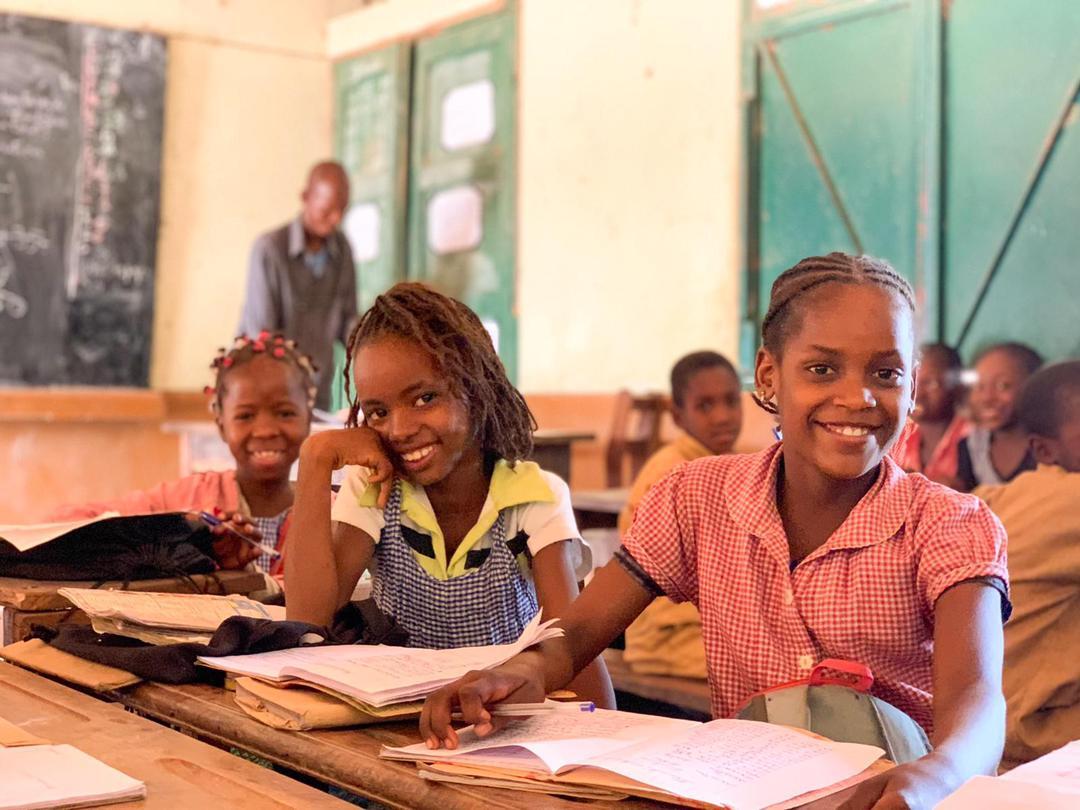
<point>734,764</point>
<point>379,682</point>
<point>164,618</point>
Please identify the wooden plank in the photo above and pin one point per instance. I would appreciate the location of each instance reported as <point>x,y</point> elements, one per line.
<point>178,770</point>
<point>81,405</point>
<point>686,693</point>
<point>34,594</point>
<point>346,758</point>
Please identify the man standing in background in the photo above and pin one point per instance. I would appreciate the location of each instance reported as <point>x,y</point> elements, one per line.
<point>301,279</point>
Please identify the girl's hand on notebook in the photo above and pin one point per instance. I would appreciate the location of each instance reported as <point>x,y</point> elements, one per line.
<point>229,550</point>
<point>915,786</point>
<point>331,450</point>
<point>510,683</point>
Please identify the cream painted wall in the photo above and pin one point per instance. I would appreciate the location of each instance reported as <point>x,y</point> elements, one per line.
<point>628,211</point>
<point>248,109</point>
<point>629,128</point>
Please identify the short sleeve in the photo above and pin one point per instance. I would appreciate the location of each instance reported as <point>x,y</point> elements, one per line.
<point>662,539</point>
<point>550,522</point>
<point>959,539</point>
<point>347,506</point>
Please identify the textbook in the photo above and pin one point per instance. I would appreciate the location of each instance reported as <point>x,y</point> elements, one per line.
<point>377,676</point>
<point>45,776</point>
<point>730,764</point>
<point>164,618</point>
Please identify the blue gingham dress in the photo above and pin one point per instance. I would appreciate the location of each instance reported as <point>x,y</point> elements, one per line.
<point>268,527</point>
<point>488,605</point>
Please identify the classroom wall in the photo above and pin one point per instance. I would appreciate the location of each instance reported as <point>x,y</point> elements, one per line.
<point>629,127</point>
<point>248,108</point>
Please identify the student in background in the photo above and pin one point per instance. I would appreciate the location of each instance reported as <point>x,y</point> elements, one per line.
<point>470,540</point>
<point>818,547</point>
<point>261,399</point>
<point>1041,513</point>
<point>932,445</point>
<point>997,450</point>
<point>706,401</point>
<point>301,278</point>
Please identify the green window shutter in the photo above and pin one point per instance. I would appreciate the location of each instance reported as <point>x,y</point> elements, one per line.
<point>371,118</point>
<point>462,185</point>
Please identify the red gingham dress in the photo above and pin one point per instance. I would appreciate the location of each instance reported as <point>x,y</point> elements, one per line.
<point>710,533</point>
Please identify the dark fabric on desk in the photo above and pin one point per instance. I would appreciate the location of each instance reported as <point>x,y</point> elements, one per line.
<point>175,663</point>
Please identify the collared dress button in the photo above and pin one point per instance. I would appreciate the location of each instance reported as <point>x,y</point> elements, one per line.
<point>806,662</point>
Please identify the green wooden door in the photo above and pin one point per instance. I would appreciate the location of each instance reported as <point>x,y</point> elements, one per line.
<point>837,160</point>
<point>371,111</point>
<point>940,136</point>
<point>1012,175</point>
<point>462,197</point>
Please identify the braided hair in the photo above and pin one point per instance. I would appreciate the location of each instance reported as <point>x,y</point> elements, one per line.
<point>245,349</point>
<point>809,274</point>
<point>462,350</point>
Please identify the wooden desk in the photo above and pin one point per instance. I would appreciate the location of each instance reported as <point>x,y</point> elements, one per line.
<point>599,508</point>
<point>349,758</point>
<point>691,694</point>
<point>27,602</point>
<point>551,449</point>
<point>178,770</point>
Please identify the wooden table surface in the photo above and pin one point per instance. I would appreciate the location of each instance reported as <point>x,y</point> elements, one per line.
<point>349,758</point>
<point>179,772</point>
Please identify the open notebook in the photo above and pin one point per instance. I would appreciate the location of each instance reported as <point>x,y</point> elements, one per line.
<point>44,776</point>
<point>737,764</point>
<point>378,676</point>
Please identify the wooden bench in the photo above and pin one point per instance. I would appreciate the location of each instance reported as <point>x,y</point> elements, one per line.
<point>689,694</point>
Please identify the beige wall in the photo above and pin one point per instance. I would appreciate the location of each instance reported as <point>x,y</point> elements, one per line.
<point>628,179</point>
<point>248,108</point>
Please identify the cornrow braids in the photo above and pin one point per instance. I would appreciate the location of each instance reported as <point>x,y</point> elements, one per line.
<point>814,272</point>
<point>463,351</point>
<point>245,349</point>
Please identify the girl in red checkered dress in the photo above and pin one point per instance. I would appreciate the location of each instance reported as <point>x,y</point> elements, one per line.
<point>818,547</point>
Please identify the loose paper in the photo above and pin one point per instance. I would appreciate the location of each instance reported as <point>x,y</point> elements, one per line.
<point>42,776</point>
<point>26,537</point>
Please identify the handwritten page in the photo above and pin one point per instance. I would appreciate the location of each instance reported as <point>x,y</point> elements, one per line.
<point>1059,769</point>
<point>382,675</point>
<point>739,763</point>
<point>999,793</point>
<point>40,776</point>
<point>558,739</point>
<point>179,611</point>
<point>30,536</point>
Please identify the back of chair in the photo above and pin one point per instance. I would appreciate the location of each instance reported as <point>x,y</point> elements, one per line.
<point>635,435</point>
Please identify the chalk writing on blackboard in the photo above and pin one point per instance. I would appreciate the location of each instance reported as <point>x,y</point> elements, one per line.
<point>81,112</point>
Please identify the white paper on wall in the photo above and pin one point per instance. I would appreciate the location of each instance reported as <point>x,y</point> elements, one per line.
<point>455,220</point>
<point>361,228</point>
<point>468,115</point>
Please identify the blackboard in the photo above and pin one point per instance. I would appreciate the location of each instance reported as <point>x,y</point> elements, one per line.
<point>81,117</point>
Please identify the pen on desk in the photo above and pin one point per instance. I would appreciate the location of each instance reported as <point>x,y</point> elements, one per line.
<point>530,709</point>
<point>210,520</point>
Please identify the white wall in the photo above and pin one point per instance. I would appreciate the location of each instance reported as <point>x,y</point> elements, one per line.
<point>628,209</point>
<point>248,108</point>
<point>629,129</point>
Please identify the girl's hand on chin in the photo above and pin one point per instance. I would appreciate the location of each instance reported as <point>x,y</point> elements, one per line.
<point>358,447</point>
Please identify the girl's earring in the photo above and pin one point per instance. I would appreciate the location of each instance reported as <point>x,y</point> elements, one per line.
<point>765,401</point>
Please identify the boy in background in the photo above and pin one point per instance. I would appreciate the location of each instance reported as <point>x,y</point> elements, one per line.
<point>707,406</point>
<point>1041,513</point>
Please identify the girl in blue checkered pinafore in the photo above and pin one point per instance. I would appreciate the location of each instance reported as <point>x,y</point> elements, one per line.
<point>465,540</point>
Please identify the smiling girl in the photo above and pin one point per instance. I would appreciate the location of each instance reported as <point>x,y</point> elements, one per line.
<point>262,397</point>
<point>818,547</point>
<point>469,541</point>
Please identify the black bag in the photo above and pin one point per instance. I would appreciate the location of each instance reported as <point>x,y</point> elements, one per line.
<point>119,548</point>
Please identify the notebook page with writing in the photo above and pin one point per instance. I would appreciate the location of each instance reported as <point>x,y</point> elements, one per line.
<point>42,776</point>
<point>557,740</point>
<point>181,611</point>
<point>739,763</point>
